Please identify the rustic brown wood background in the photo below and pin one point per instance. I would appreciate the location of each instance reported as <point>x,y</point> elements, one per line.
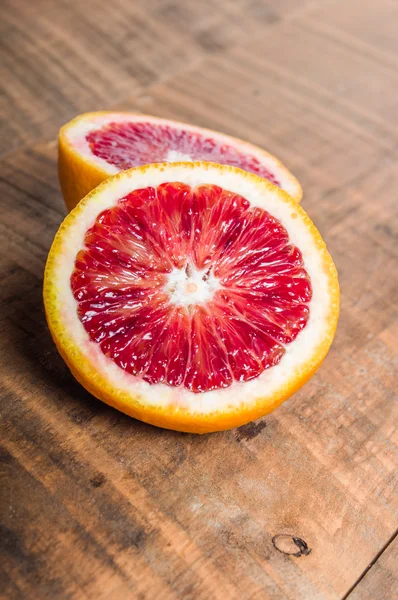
<point>302,504</point>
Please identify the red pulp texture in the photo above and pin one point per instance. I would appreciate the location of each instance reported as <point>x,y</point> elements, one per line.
<point>128,144</point>
<point>120,277</point>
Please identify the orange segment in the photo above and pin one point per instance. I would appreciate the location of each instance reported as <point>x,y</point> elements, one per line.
<point>96,145</point>
<point>192,296</point>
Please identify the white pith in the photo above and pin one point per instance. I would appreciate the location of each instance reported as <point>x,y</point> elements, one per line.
<point>297,354</point>
<point>76,136</point>
<point>189,286</point>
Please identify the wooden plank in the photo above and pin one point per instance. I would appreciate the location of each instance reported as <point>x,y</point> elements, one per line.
<point>330,493</point>
<point>381,581</point>
<point>59,59</point>
<point>295,505</point>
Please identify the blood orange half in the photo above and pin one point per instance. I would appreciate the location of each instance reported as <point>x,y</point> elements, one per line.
<point>192,296</point>
<point>96,145</point>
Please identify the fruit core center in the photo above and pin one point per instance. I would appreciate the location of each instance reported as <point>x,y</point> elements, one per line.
<point>190,286</point>
<point>177,156</point>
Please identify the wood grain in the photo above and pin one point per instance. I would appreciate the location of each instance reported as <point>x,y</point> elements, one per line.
<point>298,505</point>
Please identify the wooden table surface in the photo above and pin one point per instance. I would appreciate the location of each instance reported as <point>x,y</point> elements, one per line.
<point>301,504</point>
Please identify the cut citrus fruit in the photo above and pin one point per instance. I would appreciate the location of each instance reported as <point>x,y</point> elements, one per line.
<point>96,145</point>
<point>192,296</point>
